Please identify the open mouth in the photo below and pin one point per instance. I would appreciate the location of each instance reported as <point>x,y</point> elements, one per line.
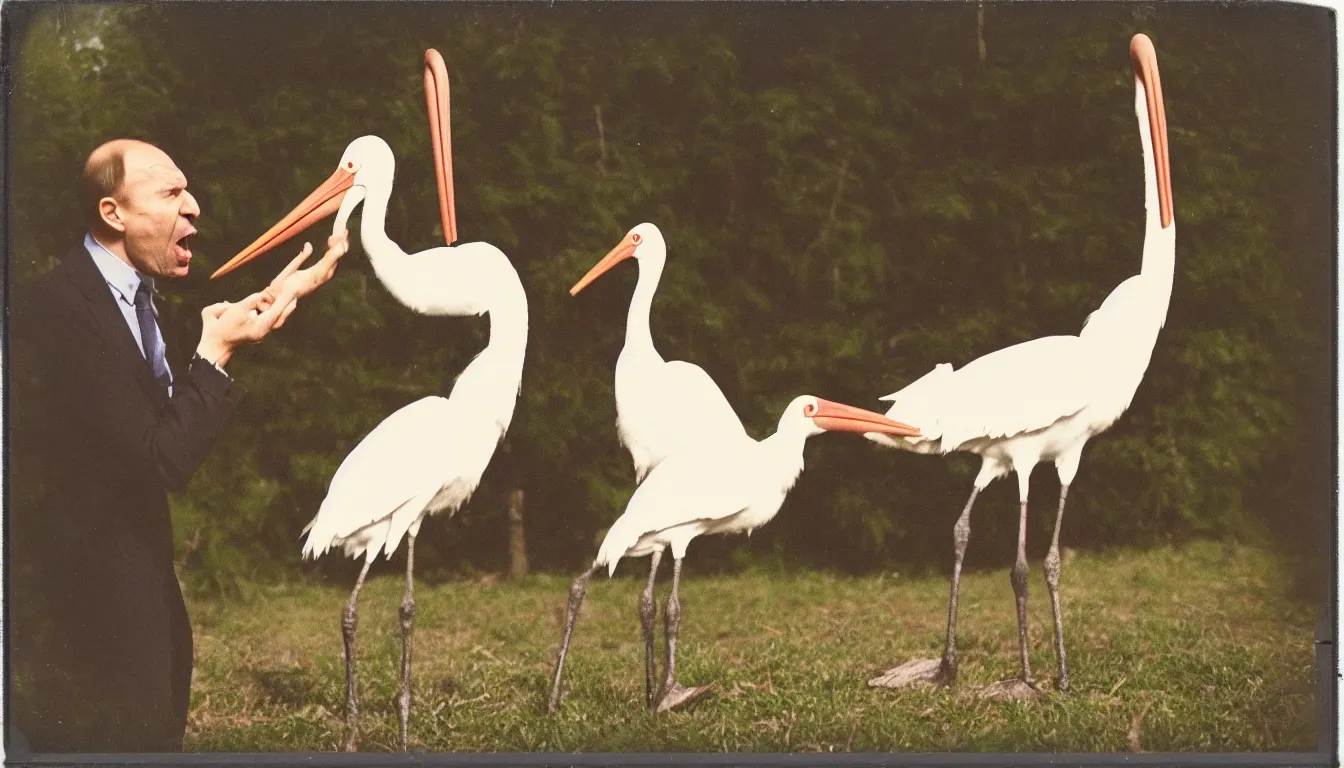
<point>183,246</point>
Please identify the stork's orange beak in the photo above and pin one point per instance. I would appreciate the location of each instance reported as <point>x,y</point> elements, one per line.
<point>323,202</point>
<point>615,256</point>
<point>1144,58</point>
<point>440,137</point>
<point>838,417</point>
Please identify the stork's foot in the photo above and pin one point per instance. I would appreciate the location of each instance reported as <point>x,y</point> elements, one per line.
<point>679,696</point>
<point>1017,689</point>
<point>917,672</point>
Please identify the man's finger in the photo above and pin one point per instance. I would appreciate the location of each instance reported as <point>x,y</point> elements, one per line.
<point>254,301</point>
<point>215,310</point>
<point>269,317</point>
<point>285,312</point>
<point>297,261</point>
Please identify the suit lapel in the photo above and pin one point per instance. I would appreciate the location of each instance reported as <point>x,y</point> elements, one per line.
<point>107,318</point>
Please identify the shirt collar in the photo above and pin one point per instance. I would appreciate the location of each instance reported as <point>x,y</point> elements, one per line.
<point>123,278</point>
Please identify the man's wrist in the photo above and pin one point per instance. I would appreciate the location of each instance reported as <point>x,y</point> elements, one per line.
<point>214,353</point>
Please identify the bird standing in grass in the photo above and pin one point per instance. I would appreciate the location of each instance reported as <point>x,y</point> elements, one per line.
<point>427,457</point>
<point>662,406</point>
<point>1042,400</point>
<point>724,486</point>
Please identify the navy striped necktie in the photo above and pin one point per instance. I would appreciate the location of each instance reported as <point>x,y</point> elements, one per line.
<point>151,344</point>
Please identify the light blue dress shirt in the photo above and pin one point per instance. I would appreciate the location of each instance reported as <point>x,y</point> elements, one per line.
<point>124,280</point>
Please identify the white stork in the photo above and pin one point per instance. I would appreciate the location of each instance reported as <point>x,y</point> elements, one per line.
<point>727,485</point>
<point>1042,400</point>
<point>429,456</point>
<point>662,406</point>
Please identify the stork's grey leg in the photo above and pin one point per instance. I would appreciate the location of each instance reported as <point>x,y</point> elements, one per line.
<point>349,620</point>
<point>1024,686</point>
<point>672,623</point>
<point>1019,579</point>
<point>576,592</point>
<point>673,694</point>
<point>1052,582</point>
<point>648,610</point>
<point>942,672</point>
<point>961,536</point>
<point>407,623</point>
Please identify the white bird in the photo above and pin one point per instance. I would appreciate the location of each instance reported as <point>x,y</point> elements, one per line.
<point>427,457</point>
<point>662,405</point>
<point>1042,400</point>
<point>732,485</point>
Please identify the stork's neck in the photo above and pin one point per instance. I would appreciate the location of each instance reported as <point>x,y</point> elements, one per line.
<point>494,377</point>
<point>785,451</point>
<point>387,258</point>
<point>425,284</point>
<point>638,336</point>
<point>508,330</point>
<point>1159,245</point>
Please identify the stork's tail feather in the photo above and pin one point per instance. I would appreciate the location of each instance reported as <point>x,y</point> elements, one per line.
<point>310,550</point>
<point>609,554</point>
<point>610,565</point>
<point>607,560</point>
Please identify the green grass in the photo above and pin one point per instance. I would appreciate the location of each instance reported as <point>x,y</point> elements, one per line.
<point>1169,650</point>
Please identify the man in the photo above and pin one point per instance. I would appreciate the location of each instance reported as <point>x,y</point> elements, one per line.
<point>101,647</point>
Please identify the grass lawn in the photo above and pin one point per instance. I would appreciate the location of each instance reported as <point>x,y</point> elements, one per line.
<point>1190,649</point>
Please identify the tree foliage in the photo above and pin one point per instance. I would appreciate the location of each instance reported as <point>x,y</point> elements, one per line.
<point>851,195</point>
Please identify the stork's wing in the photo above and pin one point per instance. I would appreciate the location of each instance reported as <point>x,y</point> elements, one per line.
<point>671,407</point>
<point>401,459</point>
<point>1018,389</point>
<point>715,482</point>
<point>703,401</point>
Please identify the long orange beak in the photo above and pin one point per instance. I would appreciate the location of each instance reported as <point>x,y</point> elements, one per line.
<point>615,256</point>
<point>441,138</point>
<point>323,202</point>
<point>837,417</point>
<point>1144,58</point>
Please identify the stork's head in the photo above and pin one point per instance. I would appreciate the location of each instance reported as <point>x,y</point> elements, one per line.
<point>368,166</point>
<point>644,241</point>
<point>816,415</point>
<point>367,162</point>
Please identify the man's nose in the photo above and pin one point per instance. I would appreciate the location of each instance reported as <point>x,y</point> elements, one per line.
<point>190,208</point>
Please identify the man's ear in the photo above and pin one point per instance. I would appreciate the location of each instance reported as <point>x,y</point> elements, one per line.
<point>110,213</point>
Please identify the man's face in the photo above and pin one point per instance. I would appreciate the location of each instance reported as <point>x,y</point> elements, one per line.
<point>157,212</point>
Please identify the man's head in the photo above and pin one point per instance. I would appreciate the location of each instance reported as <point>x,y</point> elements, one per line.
<point>138,206</point>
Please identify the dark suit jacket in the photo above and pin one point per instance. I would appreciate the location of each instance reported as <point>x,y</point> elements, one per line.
<point>101,652</point>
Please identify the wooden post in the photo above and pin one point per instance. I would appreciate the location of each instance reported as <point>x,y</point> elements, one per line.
<point>980,30</point>
<point>517,542</point>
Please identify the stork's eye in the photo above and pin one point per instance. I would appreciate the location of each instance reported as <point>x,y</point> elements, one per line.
<point>810,409</point>
<point>350,166</point>
<point>636,239</point>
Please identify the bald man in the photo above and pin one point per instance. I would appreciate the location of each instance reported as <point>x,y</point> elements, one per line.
<point>104,425</point>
